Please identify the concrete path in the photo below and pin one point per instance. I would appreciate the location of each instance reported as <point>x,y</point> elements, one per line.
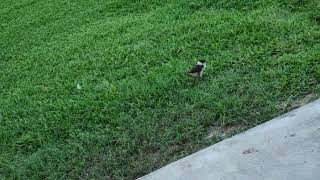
<point>285,148</point>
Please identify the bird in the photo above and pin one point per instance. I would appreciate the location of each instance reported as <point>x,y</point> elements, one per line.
<point>197,70</point>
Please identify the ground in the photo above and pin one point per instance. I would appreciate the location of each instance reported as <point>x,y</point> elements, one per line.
<point>136,109</point>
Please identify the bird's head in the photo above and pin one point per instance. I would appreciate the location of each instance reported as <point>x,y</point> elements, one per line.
<point>202,62</point>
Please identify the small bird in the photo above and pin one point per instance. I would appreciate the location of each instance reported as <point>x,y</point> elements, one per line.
<point>198,69</point>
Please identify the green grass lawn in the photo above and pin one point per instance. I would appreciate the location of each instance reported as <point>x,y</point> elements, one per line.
<point>137,109</point>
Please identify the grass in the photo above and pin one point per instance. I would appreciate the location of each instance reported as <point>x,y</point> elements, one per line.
<point>137,110</point>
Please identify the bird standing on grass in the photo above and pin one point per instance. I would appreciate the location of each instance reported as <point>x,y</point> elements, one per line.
<point>197,70</point>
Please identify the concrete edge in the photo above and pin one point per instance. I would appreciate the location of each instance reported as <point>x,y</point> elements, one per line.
<point>292,118</point>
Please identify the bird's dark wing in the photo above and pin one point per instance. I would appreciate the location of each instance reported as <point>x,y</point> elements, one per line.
<point>196,69</point>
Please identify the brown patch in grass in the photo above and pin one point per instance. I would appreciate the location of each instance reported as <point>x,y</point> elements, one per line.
<point>293,104</point>
<point>225,132</point>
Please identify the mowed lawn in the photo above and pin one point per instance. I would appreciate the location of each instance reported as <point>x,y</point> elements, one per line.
<point>98,89</point>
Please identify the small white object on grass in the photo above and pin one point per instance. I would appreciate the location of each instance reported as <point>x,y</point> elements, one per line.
<point>79,86</point>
